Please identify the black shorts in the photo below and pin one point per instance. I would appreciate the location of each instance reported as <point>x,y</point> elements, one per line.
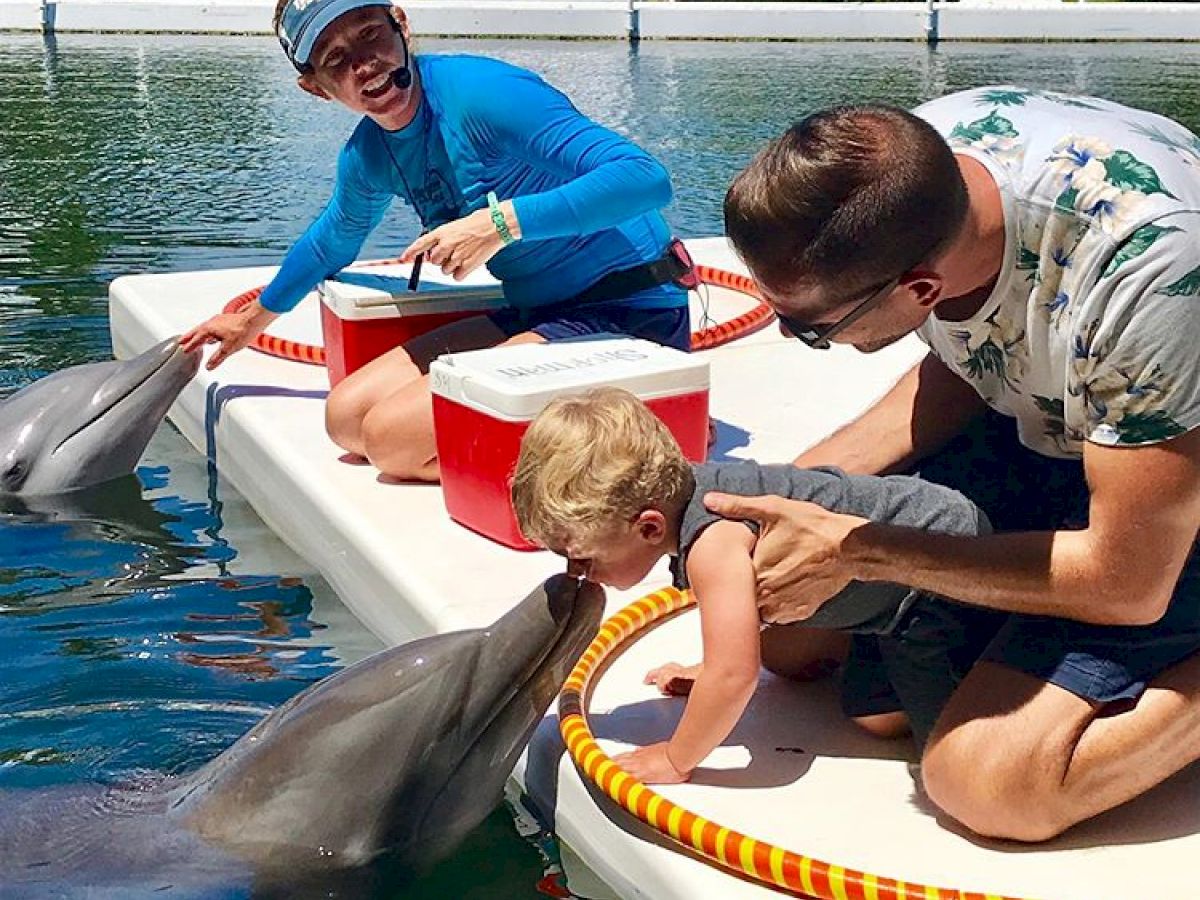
<point>668,326</point>
<point>1021,490</point>
<point>918,665</point>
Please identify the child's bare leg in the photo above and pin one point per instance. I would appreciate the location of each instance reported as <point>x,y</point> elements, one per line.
<point>803,654</point>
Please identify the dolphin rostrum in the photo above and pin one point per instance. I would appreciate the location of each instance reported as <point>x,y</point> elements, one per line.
<point>90,423</point>
<point>398,756</point>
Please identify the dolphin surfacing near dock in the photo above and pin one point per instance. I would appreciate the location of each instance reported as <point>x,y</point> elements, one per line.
<point>398,756</point>
<point>88,424</point>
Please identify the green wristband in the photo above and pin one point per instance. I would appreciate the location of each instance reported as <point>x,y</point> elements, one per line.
<point>498,219</point>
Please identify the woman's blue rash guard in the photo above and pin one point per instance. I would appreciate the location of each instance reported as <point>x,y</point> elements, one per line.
<point>587,199</point>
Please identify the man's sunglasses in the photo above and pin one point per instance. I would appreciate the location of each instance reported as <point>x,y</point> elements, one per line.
<point>819,336</point>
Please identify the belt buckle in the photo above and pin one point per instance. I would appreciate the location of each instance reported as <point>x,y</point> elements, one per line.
<point>688,277</point>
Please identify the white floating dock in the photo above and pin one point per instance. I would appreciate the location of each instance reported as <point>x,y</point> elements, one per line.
<point>793,773</point>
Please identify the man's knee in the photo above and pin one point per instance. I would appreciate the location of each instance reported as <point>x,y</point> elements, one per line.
<point>995,790</point>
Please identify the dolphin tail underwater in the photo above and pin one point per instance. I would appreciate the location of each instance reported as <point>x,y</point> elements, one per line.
<point>88,424</point>
<point>397,757</point>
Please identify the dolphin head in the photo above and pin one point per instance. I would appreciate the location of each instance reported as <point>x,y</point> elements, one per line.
<point>403,753</point>
<point>90,423</point>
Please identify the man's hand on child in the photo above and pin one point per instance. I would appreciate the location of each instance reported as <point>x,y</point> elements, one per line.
<point>799,557</point>
<point>674,680</point>
<point>651,765</point>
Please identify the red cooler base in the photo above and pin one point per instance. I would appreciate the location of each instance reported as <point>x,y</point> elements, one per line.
<point>477,455</point>
<point>350,344</point>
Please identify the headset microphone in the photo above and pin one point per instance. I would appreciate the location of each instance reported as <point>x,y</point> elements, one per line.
<point>402,77</point>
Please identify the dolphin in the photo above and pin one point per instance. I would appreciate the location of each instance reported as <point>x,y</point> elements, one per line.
<point>88,424</point>
<point>399,756</point>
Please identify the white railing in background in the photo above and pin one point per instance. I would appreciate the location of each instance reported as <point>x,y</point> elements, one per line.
<point>920,20</point>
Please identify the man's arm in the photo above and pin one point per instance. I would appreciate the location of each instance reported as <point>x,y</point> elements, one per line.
<point>927,407</point>
<point>1120,570</point>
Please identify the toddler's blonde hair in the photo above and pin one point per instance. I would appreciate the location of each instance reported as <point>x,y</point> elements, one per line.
<point>592,461</point>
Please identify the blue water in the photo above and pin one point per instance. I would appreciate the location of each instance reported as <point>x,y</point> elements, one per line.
<point>147,633</point>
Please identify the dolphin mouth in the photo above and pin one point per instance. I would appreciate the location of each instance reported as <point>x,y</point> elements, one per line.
<point>576,608</point>
<point>578,618</point>
<point>576,612</point>
<point>128,390</point>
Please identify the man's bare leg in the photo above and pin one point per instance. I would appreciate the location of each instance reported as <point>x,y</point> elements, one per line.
<point>1014,757</point>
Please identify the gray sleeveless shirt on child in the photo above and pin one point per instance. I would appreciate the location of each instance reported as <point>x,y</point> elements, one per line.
<point>873,607</point>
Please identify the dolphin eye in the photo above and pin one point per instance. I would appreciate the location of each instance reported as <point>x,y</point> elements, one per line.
<point>14,477</point>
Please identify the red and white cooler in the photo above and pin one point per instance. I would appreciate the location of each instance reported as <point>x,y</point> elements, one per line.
<point>484,400</point>
<point>367,312</point>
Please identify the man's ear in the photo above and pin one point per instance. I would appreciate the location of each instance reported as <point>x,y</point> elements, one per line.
<point>652,526</point>
<point>308,84</point>
<point>925,286</point>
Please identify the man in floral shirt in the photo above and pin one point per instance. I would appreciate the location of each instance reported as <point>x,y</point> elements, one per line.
<point>1047,250</point>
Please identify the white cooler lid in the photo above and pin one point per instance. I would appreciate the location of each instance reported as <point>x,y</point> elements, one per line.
<point>381,292</point>
<point>516,382</point>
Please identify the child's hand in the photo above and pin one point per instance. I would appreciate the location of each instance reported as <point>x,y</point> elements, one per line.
<point>651,765</point>
<point>673,679</point>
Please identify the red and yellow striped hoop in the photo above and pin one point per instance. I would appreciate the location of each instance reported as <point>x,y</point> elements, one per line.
<point>740,853</point>
<point>703,339</point>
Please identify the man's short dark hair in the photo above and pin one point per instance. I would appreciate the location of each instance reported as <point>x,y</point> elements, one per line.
<point>846,199</point>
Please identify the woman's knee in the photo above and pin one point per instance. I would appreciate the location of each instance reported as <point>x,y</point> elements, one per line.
<point>345,410</point>
<point>398,440</point>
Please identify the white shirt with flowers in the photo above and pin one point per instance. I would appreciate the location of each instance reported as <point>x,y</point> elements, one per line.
<point>1092,332</point>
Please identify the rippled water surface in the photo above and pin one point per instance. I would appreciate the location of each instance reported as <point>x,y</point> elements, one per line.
<point>145,634</point>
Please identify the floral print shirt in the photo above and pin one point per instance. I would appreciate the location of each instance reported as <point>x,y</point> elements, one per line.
<point>1092,332</point>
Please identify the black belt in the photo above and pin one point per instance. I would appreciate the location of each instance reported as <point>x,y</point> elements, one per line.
<point>675,266</point>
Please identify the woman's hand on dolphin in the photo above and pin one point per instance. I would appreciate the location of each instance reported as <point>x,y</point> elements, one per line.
<point>232,331</point>
<point>462,246</point>
<point>798,558</point>
<point>651,765</point>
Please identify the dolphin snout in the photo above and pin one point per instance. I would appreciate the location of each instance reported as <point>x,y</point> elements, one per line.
<point>189,360</point>
<point>169,353</point>
<point>571,600</point>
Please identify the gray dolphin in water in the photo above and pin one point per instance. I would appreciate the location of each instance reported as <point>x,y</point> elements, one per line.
<point>90,423</point>
<point>400,755</point>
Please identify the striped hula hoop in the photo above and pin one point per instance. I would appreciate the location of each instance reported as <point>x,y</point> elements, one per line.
<point>703,339</point>
<point>761,861</point>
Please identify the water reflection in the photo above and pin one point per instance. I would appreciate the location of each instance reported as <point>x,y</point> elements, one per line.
<point>141,634</point>
<point>136,153</point>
